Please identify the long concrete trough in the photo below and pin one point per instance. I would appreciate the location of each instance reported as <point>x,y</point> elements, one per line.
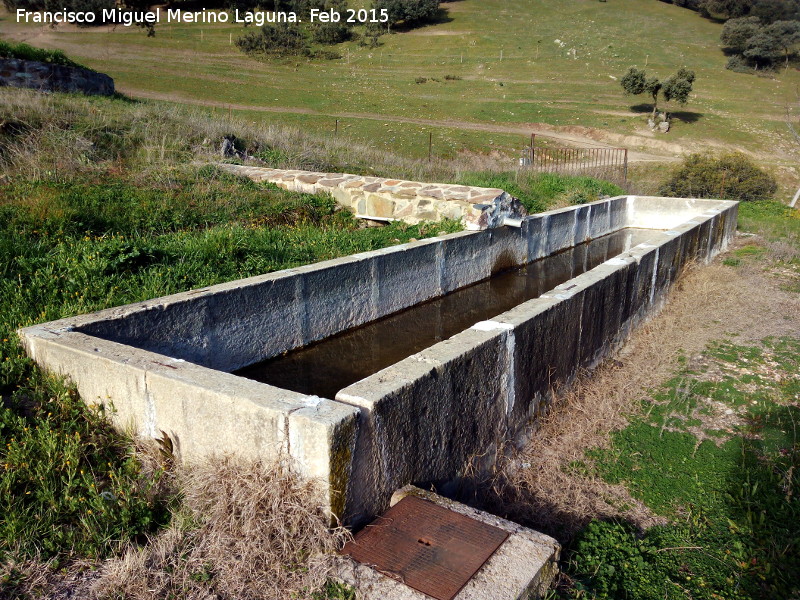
<point>165,365</point>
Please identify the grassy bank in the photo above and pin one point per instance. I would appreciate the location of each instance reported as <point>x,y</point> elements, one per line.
<point>717,452</point>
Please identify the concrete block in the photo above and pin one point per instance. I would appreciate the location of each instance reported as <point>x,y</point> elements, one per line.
<point>536,353</point>
<point>618,213</point>
<point>560,230</point>
<point>643,284</point>
<point>255,321</point>
<point>408,275</point>
<point>340,296</point>
<point>669,261</point>
<point>322,441</point>
<point>522,568</point>
<point>536,232</point>
<point>465,259</point>
<point>599,220</point>
<point>731,219</point>
<point>581,224</point>
<point>206,412</point>
<point>103,372</point>
<point>164,325</point>
<point>508,248</point>
<point>603,296</point>
<point>426,416</point>
<point>703,241</point>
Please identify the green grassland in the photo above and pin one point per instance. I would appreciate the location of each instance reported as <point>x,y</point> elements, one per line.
<point>727,486</point>
<point>512,74</point>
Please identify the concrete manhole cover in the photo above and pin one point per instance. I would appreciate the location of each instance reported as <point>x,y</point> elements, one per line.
<point>429,548</point>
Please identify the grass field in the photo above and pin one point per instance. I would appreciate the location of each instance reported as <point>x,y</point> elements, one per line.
<point>513,75</point>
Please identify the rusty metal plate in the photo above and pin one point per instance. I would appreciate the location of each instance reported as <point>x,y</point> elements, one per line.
<point>429,548</point>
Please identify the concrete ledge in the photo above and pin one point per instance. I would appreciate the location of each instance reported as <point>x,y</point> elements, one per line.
<point>522,568</point>
<point>426,414</point>
<point>203,411</point>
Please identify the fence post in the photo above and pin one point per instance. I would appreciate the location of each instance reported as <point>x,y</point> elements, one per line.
<point>533,152</point>
<point>430,146</point>
<point>626,167</point>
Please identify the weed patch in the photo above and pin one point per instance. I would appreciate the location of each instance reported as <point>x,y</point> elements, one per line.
<point>733,506</point>
<point>539,192</point>
<point>69,483</point>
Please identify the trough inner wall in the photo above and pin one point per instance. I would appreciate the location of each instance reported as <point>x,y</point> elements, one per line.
<point>230,326</point>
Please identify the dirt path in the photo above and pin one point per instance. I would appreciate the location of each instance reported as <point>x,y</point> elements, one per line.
<point>579,138</point>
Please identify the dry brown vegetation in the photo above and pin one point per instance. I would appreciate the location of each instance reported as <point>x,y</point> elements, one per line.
<point>242,530</point>
<point>64,137</point>
<point>245,530</point>
<point>541,487</point>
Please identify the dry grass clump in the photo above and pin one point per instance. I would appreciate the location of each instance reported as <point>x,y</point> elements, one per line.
<point>546,485</point>
<point>245,530</point>
<point>58,137</point>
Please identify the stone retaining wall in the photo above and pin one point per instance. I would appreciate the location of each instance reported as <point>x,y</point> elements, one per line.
<point>394,199</point>
<point>47,77</point>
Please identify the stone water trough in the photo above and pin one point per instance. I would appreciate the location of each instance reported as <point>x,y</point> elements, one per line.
<point>168,364</point>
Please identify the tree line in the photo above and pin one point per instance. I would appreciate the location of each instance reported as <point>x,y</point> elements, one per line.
<point>757,34</point>
<point>275,39</point>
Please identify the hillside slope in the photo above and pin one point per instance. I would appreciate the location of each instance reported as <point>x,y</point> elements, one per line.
<point>524,65</point>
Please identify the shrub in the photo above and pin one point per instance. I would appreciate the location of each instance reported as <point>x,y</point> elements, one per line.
<point>739,64</point>
<point>332,33</point>
<point>411,12</point>
<point>732,176</point>
<point>283,39</point>
<point>26,52</point>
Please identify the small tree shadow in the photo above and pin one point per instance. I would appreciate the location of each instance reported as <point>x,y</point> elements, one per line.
<point>642,108</point>
<point>687,117</point>
<point>681,115</point>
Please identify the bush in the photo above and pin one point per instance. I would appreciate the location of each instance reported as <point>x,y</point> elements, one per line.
<point>411,12</point>
<point>26,52</point>
<point>332,33</point>
<point>739,64</point>
<point>731,176</point>
<point>274,39</point>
